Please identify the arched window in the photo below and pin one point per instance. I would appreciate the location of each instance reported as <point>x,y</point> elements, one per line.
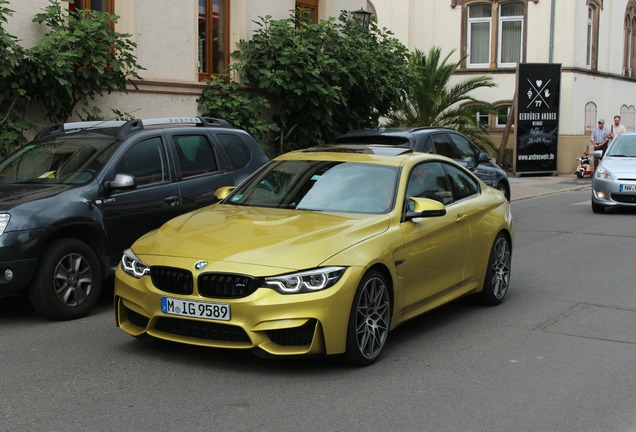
<point>628,117</point>
<point>590,116</point>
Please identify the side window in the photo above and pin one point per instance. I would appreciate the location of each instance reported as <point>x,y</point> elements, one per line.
<point>236,149</point>
<point>195,155</point>
<point>428,180</point>
<point>462,185</point>
<point>145,160</point>
<point>464,147</point>
<point>443,146</point>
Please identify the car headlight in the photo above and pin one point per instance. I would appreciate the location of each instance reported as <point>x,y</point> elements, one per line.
<point>602,173</point>
<point>305,281</point>
<point>4,221</point>
<point>132,265</point>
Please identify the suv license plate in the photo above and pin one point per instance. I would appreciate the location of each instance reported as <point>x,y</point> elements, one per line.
<point>195,309</point>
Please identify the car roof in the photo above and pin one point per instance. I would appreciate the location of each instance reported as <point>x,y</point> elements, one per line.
<point>393,131</point>
<point>367,153</point>
<point>122,129</point>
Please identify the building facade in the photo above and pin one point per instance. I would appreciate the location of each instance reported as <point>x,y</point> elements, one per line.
<point>594,41</point>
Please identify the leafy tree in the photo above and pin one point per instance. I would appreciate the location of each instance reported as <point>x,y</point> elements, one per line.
<point>11,95</point>
<point>225,99</point>
<point>431,101</point>
<point>81,57</point>
<point>322,79</point>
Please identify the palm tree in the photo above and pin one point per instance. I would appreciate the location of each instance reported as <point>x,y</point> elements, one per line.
<point>430,101</point>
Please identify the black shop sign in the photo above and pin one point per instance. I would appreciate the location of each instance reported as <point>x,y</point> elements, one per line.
<point>537,122</point>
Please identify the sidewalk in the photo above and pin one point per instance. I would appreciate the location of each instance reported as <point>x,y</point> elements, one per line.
<point>526,187</point>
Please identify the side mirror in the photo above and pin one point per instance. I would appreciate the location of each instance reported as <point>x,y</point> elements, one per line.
<point>598,154</point>
<point>122,182</point>
<point>424,207</point>
<point>222,192</point>
<point>483,157</point>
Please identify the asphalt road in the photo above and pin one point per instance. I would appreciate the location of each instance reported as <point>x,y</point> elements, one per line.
<point>558,355</point>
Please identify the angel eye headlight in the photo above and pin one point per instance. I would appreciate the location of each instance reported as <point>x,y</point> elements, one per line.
<point>132,265</point>
<point>306,281</point>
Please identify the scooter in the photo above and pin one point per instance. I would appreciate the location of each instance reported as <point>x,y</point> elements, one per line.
<point>585,168</point>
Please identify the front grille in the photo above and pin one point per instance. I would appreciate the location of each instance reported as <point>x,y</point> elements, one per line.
<point>136,318</point>
<point>202,330</point>
<point>625,199</point>
<point>225,285</point>
<point>172,280</point>
<point>298,336</point>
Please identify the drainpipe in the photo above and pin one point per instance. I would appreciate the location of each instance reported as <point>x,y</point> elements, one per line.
<point>551,32</point>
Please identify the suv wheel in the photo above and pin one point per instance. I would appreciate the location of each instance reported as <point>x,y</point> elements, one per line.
<point>67,280</point>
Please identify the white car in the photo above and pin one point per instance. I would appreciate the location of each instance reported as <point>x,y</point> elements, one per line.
<point>614,182</point>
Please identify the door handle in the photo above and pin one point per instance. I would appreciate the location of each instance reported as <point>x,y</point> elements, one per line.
<point>461,218</point>
<point>172,200</point>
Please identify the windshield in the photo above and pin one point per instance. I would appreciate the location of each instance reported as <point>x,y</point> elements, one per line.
<point>321,186</point>
<point>63,161</point>
<point>623,146</point>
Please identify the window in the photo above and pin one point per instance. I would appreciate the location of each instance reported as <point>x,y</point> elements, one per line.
<point>510,34</point>
<point>464,148</point>
<point>494,33</point>
<point>195,155</point>
<point>238,152</point>
<point>590,116</point>
<point>629,54</point>
<point>99,5</point>
<point>591,46</point>
<point>462,185</point>
<point>428,180</point>
<point>479,23</point>
<point>309,9</point>
<point>628,117</point>
<point>483,118</point>
<point>146,161</point>
<point>213,37</point>
<point>443,146</point>
<point>503,112</point>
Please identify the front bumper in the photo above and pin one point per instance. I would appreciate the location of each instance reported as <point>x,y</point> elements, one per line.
<point>276,324</point>
<point>607,192</point>
<point>17,260</point>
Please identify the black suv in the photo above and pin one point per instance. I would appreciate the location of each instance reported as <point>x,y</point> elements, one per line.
<point>443,141</point>
<point>80,193</point>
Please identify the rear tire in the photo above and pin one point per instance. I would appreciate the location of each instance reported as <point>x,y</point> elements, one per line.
<point>498,273</point>
<point>67,280</point>
<point>369,320</point>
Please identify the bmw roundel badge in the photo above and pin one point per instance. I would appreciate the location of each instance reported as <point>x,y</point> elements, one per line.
<point>201,265</point>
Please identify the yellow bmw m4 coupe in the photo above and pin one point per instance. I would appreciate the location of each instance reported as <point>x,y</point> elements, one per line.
<point>322,251</point>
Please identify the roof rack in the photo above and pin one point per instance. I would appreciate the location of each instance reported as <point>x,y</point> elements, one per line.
<point>125,128</point>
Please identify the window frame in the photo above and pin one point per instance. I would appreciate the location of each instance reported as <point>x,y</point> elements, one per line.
<point>495,32</point>
<point>86,4</point>
<point>311,5</point>
<point>207,70</point>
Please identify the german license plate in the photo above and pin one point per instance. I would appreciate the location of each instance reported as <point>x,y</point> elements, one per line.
<point>195,309</point>
<point>628,188</point>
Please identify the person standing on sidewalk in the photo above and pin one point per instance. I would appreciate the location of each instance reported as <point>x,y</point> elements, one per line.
<point>599,139</point>
<point>616,129</point>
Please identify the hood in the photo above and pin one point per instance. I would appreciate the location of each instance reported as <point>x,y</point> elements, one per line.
<point>286,239</point>
<point>620,165</point>
<point>13,195</point>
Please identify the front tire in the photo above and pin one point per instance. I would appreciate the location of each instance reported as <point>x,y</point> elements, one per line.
<point>369,320</point>
<point>67,280</point>
<point>502,187</point>
<point>597,208</point>
<point>498,273</point>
